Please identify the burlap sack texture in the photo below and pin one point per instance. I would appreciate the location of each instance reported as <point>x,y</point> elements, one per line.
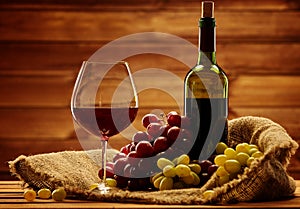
<point>266,179</point>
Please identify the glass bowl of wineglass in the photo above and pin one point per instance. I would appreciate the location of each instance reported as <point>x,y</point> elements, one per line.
<point>104,103</point>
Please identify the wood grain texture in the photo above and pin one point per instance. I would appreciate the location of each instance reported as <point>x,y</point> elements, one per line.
<point>234,57</point>
<point>42,45</point>
<point>131,5</point>
<point>93,26</point>
<point>11,195</point>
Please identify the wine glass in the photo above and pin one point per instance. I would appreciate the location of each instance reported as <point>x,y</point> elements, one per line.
<point>104,102</point>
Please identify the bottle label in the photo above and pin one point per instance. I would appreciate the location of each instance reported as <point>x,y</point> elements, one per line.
<point>205,84</point>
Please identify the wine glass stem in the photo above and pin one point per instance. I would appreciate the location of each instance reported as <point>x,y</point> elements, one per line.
<point>104,155</point>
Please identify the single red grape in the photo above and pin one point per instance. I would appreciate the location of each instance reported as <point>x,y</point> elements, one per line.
<point>165,128</point>
<point>172,113</point>
<point>140,136</point>
<point>204,164</point>
<point>160,144</point>
<point>149,118</point>
<point>155,129</point>
<point>173,134</point>
<point>174,119</point>
<point>144,149</point>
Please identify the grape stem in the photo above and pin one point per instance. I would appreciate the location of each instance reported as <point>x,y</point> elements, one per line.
<point>163,118</point>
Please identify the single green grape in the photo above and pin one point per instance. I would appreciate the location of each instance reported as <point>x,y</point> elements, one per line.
<point>166,183</point>
<point>252,150</point>
<point>195,167</point>
<point>188,179</point>
<point>157,181</point>
<point>220,160</point>
<point>242,148</point>
<point>230,153</point>
<point>30,195</point>
<point>196,179</point>
<point>163,162</point>
<point>169,171</point>
<point>257,154</point>
<point>221,171</point>
<point>182,170</point>
<point>253,146</point>
<point>232,166</point>
<point>59,194</point>
<point>155,177</point>
<point>44,193</point>
<point>242,157</point>
<point>221,146</point>
<point>183,159</point>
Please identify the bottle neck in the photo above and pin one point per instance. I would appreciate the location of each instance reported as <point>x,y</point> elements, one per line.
<point>207,41</point>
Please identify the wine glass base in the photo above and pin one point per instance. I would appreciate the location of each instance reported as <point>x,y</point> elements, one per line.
<point>104,189</point>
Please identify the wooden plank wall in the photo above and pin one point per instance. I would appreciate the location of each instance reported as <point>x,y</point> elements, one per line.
<point>42,45</point>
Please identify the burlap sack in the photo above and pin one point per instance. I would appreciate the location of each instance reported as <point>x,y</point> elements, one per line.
<point>266,179</point>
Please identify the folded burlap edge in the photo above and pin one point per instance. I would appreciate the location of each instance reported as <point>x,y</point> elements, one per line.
<point>19,166</point>
<point>50,170</point>
<point>266,175</point>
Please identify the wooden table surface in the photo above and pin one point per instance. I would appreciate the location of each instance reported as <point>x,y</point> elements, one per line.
<point>11,196</point>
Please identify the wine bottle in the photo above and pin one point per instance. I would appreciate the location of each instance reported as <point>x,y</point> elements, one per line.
<point>206,91</point>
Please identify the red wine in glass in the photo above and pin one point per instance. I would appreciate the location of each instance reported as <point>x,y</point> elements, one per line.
<point>109,121</point>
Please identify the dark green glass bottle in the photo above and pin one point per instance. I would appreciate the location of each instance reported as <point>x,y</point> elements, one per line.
<point>206,91</point>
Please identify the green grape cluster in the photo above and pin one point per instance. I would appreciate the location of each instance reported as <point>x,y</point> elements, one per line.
<point>231,162</point>
<point>176,174</point>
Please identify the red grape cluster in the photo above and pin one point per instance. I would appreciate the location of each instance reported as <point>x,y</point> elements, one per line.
<point>165,136</point>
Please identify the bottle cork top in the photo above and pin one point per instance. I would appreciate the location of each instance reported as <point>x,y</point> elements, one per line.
<point>207,9</point>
